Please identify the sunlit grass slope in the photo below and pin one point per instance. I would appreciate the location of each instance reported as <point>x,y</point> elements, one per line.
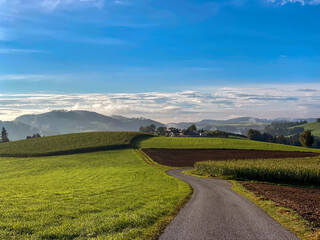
<point>314,127</point>
<point>304,171</point>
<point>216,143</point>
<point>103,195</point>
<point>69,143</point>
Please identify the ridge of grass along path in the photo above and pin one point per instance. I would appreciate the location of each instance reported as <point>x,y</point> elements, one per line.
<point>217,143</point>
<point>103,195</point>
<point>70,143</point>
<point>304,171</point>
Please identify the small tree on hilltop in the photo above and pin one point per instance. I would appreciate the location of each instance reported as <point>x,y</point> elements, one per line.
<point>318,120</point>
<point>4,135</point>
<point>306,138</point>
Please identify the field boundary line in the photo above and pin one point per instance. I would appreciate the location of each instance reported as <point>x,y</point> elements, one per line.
<point>146,158</point>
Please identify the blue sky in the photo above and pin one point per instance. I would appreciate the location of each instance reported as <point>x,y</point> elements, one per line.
<point>128,46</point>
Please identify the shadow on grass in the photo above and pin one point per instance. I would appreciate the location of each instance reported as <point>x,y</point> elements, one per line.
<point>134,143</point>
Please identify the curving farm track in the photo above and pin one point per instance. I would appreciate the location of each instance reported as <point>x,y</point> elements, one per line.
<point>217,212</point>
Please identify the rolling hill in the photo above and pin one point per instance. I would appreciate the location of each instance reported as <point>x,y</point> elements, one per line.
<point>314,127</point>
<point>70,143</point>
<point>62,122</point>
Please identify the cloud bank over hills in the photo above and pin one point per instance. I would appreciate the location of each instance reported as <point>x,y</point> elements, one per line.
<point>299,101</point>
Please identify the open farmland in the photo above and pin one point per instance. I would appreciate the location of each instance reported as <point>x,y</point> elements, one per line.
<point>305,201</point>
<point>69,143</point>
<point>300,171</point>
<point>216,143</point>
<point>104,195</point>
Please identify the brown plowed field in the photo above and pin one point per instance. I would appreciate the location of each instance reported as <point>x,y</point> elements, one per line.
<point>187,157</point>
<point>305,201</point>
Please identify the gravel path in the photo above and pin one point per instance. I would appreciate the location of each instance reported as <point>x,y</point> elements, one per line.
<point>217,212</point>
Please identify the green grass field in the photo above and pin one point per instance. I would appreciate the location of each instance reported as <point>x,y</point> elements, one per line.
<point>103,195</point>
<point>110,194</point>
<point>69,143</point>
<point>304,171</point>
<point>314,127</point>
<point>216,143</point>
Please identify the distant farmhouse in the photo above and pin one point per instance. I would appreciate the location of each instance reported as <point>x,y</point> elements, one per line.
<point>174,132</point>
<point>189,132</point>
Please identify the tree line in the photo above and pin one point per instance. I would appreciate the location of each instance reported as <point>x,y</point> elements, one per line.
<point>305,139</point>
<point>152,129</point>
<point>282,128</point>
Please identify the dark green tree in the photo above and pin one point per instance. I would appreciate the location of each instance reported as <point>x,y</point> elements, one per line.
<point>254,135</point>
<point>142,129</point>
<point>306,138</point>
<point>148,129</point>
<point>161,131</point>
<point>318,120</point>
<point>192,128</point>
<point>152,128</point>
<point>4,135</point>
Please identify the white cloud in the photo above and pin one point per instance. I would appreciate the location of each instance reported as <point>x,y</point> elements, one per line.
<point>27,77</point>
<point>263,102</point>
<point>19,51</point>
<point>47,5</point>
<point>302,2</point>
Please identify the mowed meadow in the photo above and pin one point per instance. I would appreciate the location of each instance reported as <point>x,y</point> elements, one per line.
<point>217,143</point>
<point>110,194</point>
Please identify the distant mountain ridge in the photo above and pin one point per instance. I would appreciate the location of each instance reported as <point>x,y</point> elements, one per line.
<point>63,122</point>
